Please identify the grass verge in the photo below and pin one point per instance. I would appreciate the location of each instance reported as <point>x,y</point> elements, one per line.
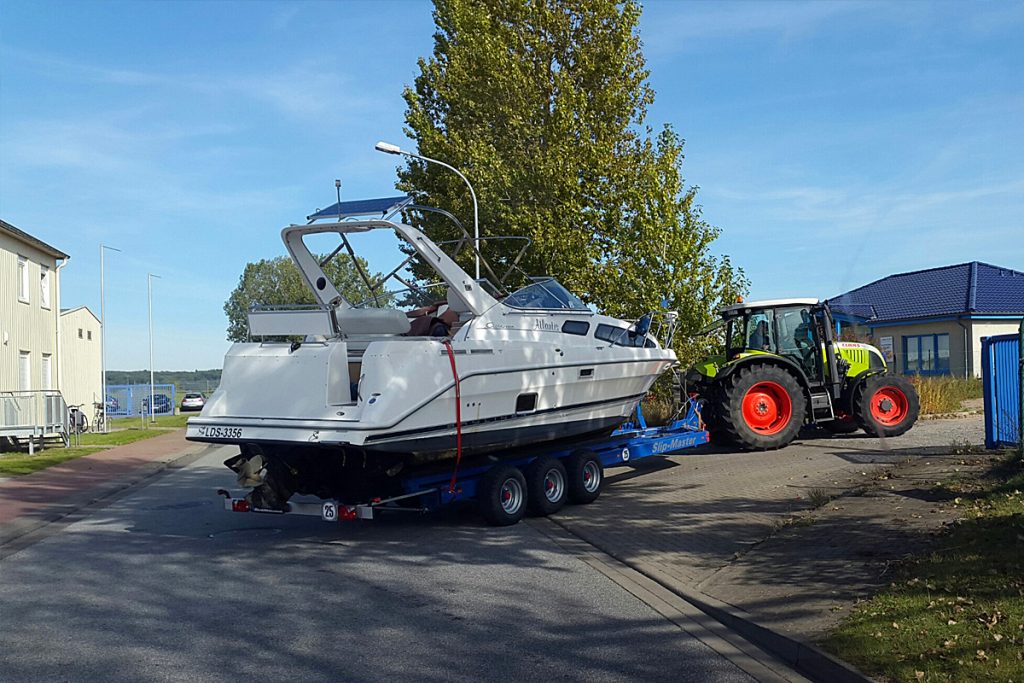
<point>956,614</point>
<point>17,464</point>
<point>167,421</point>
<point>945,394</point>
<point>123,432</point>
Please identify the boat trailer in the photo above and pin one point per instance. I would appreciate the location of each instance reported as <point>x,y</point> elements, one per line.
<point>550,476</point>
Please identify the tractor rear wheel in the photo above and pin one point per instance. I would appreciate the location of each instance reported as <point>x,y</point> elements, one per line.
<point>763,407</point>
<point>887,405</point>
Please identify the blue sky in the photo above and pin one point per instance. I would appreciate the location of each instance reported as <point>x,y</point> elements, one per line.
<point>834,142</point>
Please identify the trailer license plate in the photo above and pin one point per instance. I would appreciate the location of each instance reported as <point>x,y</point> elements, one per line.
<point>220,432</point>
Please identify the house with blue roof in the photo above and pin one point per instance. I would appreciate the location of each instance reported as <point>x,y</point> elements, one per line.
<point>931,322</point>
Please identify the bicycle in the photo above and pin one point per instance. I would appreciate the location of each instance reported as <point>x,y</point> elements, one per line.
<point>77,421</point>
<point>99,421</point>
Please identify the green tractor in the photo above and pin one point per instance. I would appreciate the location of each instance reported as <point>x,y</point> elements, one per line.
<point>782,367</point>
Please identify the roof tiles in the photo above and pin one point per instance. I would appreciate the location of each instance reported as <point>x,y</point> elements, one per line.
<point>973,288</point>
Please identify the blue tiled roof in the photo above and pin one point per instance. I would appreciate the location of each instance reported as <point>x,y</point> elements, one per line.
<point>973,288</point>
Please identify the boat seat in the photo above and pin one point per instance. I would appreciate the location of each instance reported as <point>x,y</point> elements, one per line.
<point>371,321</point>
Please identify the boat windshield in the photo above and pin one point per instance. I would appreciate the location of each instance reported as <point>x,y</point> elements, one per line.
<point>545,294</point>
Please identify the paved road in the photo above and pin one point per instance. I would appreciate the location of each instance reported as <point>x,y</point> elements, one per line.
<point>164,585</point>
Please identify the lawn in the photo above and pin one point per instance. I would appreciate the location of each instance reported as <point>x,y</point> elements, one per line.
<point>956,614</point>
<point>123,431</point>
<point>17,464</point>
<point>167,421</point>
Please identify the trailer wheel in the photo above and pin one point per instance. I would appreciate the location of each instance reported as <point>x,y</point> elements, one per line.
<point>502,495</point>
<point>586,475</point>
<point>545,486</point>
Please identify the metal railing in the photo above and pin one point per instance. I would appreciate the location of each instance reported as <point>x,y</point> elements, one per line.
<point>33,415</point>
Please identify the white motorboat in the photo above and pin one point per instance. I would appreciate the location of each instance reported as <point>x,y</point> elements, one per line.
<point>330,396</point>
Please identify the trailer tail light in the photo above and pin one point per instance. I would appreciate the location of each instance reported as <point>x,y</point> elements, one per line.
<point>347,513</point>
<point>240,505</point>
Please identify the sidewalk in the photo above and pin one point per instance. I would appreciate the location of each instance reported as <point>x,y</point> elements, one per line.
<point>741,528</point>
<point>31,501</point>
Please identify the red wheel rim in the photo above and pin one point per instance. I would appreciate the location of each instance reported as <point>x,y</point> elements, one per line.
<point>889,406</point>
<point>767,408</point>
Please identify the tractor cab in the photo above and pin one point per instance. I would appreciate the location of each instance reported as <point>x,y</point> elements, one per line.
<point>795,329</point>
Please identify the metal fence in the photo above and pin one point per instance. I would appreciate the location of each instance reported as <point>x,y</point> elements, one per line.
<point>1001,373</point>
<point>132,400</point>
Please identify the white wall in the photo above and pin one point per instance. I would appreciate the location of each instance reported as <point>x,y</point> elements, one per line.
<point>26,326</point>
<point>83,382</point>
<point>989,328</point>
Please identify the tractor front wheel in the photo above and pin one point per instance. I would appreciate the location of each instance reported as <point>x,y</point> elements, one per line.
<point>763,407</point>
<point>887,405</point>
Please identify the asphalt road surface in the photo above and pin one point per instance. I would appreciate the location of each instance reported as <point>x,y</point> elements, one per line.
<point>163,584</point>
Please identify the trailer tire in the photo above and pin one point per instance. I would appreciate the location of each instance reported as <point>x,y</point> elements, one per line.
<point>585,475</point>
<point>546,486</point>
<point>502,495</point>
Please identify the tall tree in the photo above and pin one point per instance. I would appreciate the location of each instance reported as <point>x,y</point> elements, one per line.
<point>277,282</point>
<point>543,104</point>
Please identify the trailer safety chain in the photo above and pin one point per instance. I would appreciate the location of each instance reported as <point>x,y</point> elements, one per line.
<point>458,418</point>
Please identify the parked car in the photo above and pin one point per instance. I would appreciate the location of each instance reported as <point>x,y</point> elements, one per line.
<point>161,404</point>
<point>192,402</point>
<point>113,405</point>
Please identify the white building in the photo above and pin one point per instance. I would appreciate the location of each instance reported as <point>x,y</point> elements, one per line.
<point>82,358</point>
<point>29,311</point>
<point>39,346</point>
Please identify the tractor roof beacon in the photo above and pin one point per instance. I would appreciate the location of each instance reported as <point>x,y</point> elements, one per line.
<point>781,367</point>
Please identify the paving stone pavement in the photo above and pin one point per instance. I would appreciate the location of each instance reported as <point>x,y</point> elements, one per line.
<point>719,522</point>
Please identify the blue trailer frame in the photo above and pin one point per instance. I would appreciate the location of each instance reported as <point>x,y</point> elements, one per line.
<point>631,442</point>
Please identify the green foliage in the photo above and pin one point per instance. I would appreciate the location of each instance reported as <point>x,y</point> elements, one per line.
<point>543,106</point>
<point>277,282</point>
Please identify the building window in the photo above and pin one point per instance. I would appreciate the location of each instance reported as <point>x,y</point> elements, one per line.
<point>23,279</point>
<point>926,354</point>
<point>24,370</point>
<point>47,376</point>
<point>79,332</point>
<point>44,286</point>
<point>88,334</point>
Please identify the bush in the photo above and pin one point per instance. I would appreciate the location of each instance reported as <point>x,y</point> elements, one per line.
<point>945,394</point>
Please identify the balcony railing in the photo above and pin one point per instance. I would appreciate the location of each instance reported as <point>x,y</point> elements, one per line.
<point>33,415</point>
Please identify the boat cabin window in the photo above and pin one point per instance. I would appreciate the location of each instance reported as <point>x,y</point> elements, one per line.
<point>619,336</point>
<point>579,327</point>
<point>546,294</point>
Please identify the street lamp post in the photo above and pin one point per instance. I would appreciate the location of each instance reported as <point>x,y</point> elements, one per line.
<point>103,337</point>
<point>388,148</point>
<point>152,392</point>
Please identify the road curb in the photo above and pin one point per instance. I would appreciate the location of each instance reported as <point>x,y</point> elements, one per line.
<point>805,658</point>
<point>22,532</point>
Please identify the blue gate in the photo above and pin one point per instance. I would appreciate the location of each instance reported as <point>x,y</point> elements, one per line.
<point>1001,376</point>
<point>132,400</point>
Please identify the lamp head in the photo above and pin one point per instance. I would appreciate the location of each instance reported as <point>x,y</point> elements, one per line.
<point>387,148</point>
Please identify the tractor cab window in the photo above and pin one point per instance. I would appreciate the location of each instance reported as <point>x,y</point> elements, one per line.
<point>752,332</point>
<point>797,337</point>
